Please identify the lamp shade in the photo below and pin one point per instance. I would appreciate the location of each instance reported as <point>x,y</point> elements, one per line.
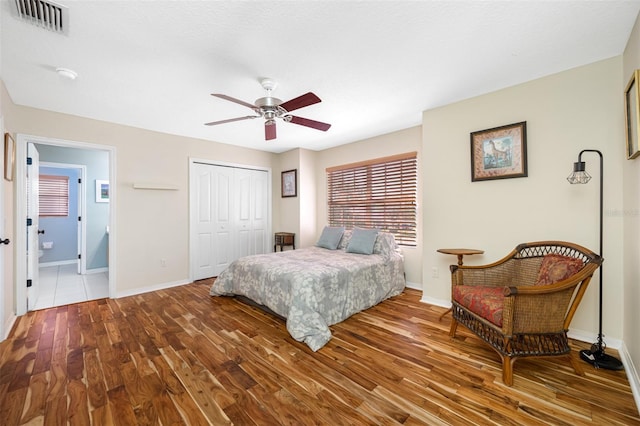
<point>579,174</point>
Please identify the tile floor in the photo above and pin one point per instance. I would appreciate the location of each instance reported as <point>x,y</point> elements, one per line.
<point>61,285</point>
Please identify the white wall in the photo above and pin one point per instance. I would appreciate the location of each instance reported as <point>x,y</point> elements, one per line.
<point>631,218</point>
<point>565,113</point>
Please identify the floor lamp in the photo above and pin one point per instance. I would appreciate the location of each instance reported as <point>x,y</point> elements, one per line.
<point>595,356</point>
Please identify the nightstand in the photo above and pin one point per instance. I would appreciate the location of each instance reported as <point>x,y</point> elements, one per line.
<point>284,239</point>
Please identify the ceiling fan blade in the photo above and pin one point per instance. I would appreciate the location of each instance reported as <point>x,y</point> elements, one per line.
<point>230,120</point>
<point>269,130</point>
<point>229,98</point>
<point>300,102</point>
<point>310,123</point>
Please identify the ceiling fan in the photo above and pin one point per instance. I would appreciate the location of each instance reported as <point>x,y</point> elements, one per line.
<point>271,108</point>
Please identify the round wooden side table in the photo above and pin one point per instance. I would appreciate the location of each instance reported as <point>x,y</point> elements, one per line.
<point>460,252</point>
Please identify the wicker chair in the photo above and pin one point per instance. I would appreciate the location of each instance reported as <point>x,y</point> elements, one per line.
<point>531,299</point>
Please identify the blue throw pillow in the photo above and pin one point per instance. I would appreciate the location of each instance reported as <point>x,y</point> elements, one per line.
<point>362,241</point>
<point>330,237</point>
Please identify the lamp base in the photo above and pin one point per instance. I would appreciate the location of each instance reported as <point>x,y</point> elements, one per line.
<point>599,359</point>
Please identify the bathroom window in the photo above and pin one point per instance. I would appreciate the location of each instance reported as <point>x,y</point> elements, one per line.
<point>54,195</point>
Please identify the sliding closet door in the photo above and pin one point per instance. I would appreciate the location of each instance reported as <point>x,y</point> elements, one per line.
<point>260,213</point>
<point>251,211</point>
<point>230,215</point>
<point>212,186</point>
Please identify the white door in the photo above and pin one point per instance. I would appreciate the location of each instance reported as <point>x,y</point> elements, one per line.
<point>260,210</point>
<point>251,211</point>
<point>242,212</point>
<point>33,211</point>
<point>213,229</point>
<point>3,236</point>
<point>224,235</point>
<point>229,216</point>
<point>82,262</point>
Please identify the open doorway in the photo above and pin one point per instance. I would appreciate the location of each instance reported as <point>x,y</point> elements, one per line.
<point>62,234</point>
<point>90,274</point>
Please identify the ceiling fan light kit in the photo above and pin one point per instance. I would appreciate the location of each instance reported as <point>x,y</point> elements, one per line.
<point>271,108</point>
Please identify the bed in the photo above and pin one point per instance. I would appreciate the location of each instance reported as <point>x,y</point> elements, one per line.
<point>316,287</point>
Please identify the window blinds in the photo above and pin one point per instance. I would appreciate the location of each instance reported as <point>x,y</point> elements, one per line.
<point>54,195</point>
<point>379,194</point>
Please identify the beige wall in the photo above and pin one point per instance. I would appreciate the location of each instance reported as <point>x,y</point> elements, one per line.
<point>631,219</point>
<point>307,193</point>
<point>565,113</point>
<point>7,311</point>
<point>407,140</point>
<point>287,216</point>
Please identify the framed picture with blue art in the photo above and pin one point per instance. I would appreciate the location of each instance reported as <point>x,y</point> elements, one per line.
<point>499,153</point>
<point>102,191</point>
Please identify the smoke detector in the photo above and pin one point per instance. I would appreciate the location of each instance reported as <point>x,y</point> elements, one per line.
<point>67,73</point>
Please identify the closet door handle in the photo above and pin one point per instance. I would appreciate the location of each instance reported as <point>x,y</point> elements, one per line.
<point>5,241</point>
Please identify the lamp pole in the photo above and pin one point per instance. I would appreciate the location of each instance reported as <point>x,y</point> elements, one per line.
<point>596,355</point>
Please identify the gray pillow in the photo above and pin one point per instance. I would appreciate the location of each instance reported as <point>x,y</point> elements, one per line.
<point>362,241</point>
<point>330,237</point>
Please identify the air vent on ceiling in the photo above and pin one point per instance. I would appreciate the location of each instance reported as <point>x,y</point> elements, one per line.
<point>46,14</point>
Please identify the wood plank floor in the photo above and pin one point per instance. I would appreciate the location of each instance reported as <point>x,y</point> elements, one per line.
<point>179,356</point>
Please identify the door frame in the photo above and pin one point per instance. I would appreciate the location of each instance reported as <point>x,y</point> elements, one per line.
<point>21,211</point>
<point>3,234</point>
<point>82,208</point>
<point>193,200</point>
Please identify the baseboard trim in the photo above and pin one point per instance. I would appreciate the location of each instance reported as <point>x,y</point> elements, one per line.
<point>414,286</point>
<point>589,337</point>
<point>57,263</point>
<point>632,373</point>
<point>8,326</point>
<point>155,287</point>
<point>436,302</point>
<point>97,270</point>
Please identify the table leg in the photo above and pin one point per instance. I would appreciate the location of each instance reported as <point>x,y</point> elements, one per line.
<point>460,256</point>
<point>444,313</point>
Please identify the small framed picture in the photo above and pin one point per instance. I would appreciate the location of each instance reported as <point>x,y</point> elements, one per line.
<point>290,183</point>
<point>499,153</point>
<point>632,115</point>
<point>102,191</point>
<point>9,156</point>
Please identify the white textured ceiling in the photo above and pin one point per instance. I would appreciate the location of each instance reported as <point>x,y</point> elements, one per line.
<point>376,65</point>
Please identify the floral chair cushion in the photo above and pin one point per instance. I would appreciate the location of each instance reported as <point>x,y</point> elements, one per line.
<point>556,267</point>
<point>487,302</point>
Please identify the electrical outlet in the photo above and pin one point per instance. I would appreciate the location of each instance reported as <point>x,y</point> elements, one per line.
<point>435,273</point>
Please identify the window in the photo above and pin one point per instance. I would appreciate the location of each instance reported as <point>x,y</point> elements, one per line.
<point>379,194</point>
<point>54,195</point>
